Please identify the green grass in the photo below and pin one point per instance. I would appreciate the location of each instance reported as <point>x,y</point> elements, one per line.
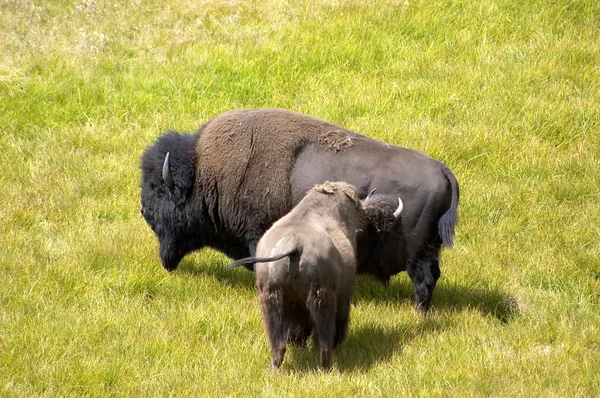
<point>506,93</point>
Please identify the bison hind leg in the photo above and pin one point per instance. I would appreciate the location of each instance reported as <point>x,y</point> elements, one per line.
<point>271,305</point>
<point>424,274</point>
<point>322,307</point>
<point>342,319</point>
<point>297,325</point>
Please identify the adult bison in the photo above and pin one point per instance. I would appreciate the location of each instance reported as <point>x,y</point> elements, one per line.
<point>224,186</point>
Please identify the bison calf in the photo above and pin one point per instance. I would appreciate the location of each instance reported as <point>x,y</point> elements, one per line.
<point>306,266</point>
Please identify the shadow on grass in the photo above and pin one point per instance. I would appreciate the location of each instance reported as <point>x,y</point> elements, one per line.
<point>365,346</point>
<point>234,278</point>
<point>446,297</point>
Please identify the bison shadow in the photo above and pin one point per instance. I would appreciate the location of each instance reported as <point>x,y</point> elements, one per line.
<point>235,278</point>
<point>365,346</point>
<point>446,297</point>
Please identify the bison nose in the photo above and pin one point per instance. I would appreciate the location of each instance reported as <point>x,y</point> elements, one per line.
<point>142,212</point>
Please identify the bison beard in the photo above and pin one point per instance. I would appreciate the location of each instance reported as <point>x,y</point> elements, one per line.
<point>247,168</point>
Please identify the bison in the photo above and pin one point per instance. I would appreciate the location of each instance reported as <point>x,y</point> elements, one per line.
<point>225,185</point>
<point>306,266</point>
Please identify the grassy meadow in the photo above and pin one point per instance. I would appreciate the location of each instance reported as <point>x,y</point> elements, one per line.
<point>506,93</point>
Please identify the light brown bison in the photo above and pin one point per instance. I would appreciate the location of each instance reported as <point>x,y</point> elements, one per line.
<point>306,266</point>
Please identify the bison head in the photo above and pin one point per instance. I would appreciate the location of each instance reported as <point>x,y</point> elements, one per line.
<point>168,174</point>
<point>382,247</point>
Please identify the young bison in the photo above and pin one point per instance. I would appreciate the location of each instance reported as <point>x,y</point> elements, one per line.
<point>306,266</point>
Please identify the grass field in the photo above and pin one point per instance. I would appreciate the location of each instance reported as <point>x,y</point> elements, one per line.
<point>506,93</point>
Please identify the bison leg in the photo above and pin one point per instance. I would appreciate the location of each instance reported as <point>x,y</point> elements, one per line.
<point>322,305</point>
<point>271,304</point>
<point>297,325</point>
<point>342,318</point>
<point>424,274</point>
<point>252,250</point>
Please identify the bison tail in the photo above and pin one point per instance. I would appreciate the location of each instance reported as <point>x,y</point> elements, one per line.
<point>448,221</point>
<point>252,260</point>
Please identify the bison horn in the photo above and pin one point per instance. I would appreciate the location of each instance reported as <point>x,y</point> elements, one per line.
<point>166,172</point>
<point>371,193</point>
<point>399,209</point>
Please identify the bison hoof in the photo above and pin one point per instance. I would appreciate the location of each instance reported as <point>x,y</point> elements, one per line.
<point>422,308</point>
<point>274,367</point>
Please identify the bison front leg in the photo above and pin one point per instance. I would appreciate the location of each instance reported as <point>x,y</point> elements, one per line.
<point>322,307</point>
<point>252,250</point>
<point>271,305</point>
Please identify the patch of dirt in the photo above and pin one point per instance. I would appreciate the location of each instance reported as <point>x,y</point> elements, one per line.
<point>336,139</point>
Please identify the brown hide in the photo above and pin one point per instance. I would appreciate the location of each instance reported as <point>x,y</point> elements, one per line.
<point>235,161</point>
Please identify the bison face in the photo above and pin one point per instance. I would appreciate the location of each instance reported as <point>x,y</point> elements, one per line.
<point>167,205</point>
<point>161,216</point>
<point>382,246</point>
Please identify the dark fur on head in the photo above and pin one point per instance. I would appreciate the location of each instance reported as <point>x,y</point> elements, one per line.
<point>376,247</point>
<point>380,213</point>
<point>166,209</point>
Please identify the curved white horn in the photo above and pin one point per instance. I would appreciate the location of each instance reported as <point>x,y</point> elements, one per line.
<point>371,193</point>
<point>399,209</point>
<point>166,172</point>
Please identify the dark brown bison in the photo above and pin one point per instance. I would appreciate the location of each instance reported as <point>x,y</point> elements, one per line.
<point>226,184</point>
<point>306,266</point>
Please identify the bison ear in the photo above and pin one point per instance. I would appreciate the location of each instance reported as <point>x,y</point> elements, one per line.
<point>351,193</point>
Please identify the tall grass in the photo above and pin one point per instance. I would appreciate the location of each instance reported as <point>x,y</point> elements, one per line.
<point>506,93</point>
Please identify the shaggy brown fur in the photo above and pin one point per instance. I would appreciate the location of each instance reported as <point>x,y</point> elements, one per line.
<point>234,159</point>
